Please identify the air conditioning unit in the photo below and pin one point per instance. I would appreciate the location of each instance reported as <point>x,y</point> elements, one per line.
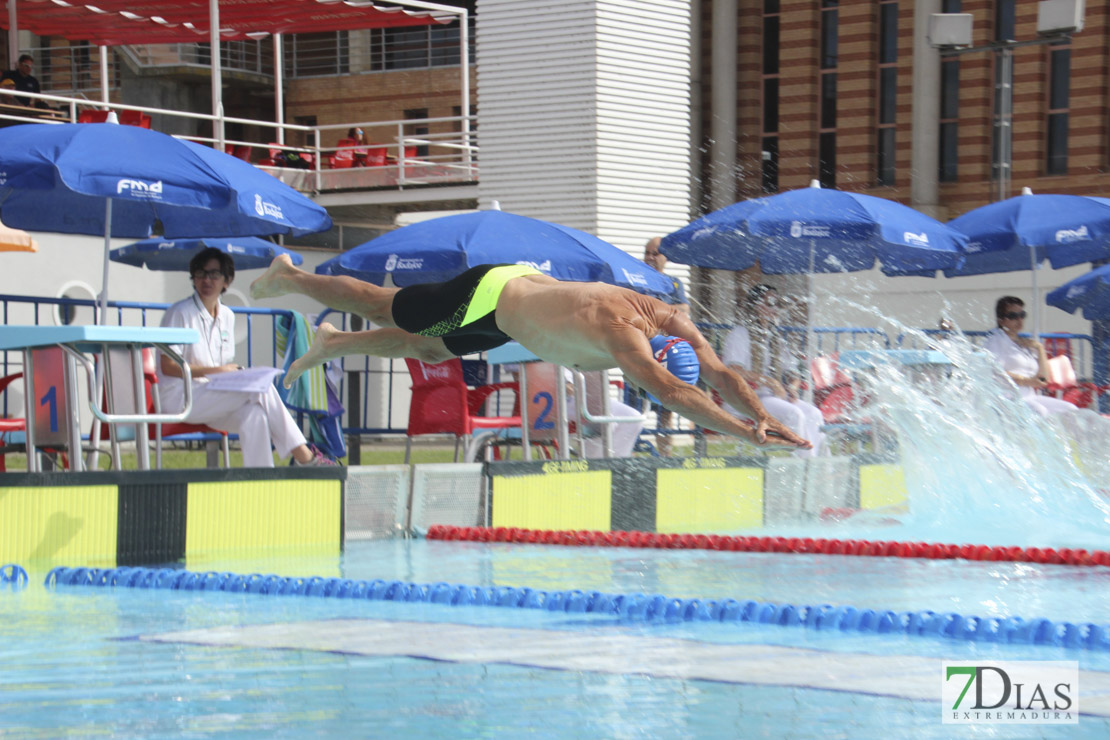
<point>949,30</point>
<point>1059,16</point>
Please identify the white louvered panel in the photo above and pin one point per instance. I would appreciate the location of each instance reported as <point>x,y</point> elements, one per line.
<point>584,114</point>
<point>644,122</point>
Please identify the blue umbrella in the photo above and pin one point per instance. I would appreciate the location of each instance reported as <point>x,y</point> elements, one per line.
<point>811,230</point>
<point>1090,292</point>
<point>1022,232</point>
<point>174,254</point>
<point>440,248</point>
<point>124,181</point>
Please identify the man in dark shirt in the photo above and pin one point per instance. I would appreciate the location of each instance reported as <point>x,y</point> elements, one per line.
<point>25,82</point>
<point>655,259</point>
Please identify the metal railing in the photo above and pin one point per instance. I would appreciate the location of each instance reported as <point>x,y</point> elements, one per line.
<point>76,67</point>
<point>255,57</point>
<point>445,154</point>
<point>374,50</point>
<point>72,70</point>
<point>378,380</point>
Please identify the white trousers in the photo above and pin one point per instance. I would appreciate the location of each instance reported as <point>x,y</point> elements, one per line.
<point>260,419</point>
<point>624,434</point>
<point>1046,405</point>
<point>802,418</point>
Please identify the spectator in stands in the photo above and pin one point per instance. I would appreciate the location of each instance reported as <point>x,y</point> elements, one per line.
<point>1023,358</point>
<point>24,81</point>
<point>260,419</point>
<point>358,139</point>
<point>655,259</point>
<point>757,351</point>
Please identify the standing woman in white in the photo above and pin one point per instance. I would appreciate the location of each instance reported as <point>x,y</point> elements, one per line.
<point>260,419</point>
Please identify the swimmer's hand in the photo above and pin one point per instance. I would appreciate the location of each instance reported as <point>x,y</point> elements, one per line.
<point>772,433</point>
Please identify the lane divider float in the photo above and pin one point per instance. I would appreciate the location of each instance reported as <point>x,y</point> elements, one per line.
<point>873,548</point>
<point>13,575</point>
<point>634,607</point>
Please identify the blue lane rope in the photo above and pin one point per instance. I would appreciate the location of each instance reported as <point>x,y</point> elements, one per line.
<point>13,574</point>
<point>635,607</point>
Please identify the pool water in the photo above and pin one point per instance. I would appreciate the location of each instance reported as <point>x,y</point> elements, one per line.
<point>119,662</point>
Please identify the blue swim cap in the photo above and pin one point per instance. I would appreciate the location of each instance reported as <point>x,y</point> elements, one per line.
<point>677,357</point>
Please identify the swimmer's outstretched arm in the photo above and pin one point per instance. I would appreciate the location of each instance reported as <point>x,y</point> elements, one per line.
<point>331,343</point>
<point>640,367</point>
<point>733,389</point>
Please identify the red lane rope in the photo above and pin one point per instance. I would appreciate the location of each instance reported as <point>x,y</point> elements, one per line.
<point>933,551</point>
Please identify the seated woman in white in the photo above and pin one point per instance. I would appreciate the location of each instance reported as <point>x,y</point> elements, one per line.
<point>260,419</point>
<point>761,357</point>
<point>1022,358</point>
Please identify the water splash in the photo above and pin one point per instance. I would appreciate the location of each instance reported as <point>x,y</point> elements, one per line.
<point>981,466</point>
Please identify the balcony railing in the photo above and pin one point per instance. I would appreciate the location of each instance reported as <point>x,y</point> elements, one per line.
<point>445,154</point>
<point>256,57</point>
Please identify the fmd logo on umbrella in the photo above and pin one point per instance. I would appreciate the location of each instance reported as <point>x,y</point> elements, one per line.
<point>140,189</point>
<point>544,267</point>
<point>1067,236</point>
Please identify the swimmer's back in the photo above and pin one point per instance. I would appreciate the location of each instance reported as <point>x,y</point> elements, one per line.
<point>573,323</point>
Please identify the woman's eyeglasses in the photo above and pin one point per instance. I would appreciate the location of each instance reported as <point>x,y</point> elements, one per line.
<point>1014,315</point>
<point>210,274</point>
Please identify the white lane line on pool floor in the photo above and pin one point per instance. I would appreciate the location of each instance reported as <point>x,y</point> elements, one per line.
<point>903,676</point>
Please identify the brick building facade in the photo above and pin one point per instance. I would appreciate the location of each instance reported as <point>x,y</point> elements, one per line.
<point>842,76</point>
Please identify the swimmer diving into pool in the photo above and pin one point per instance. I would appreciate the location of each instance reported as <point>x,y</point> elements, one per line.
<point>588,326</point>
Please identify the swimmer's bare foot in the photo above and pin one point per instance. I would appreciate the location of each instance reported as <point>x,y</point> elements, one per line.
<point>272,282</point>
<point>317,354</point>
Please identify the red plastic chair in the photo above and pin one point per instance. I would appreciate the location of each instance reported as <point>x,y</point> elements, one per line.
<point>134,118</point>
<point>9,425</point>
<point>270,160</point>
<point>832,388</point>
<point>1063,383</point>
<point>443,404</point>
<point>375,156</point>
<point>344,157</point>
<point>239,151</point>
<point>180,431</point>
<point>1056,346</point>
<point>92,116</point>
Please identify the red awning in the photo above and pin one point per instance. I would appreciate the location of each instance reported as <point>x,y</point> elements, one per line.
<point>118,22</point>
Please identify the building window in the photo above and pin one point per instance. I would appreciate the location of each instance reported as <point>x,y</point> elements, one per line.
<point>418,128</point>
<point>769,150</point>
<point>826,137</point>
<point>1005,20</point>
<point>949,163</point>
<point>317,54</point>
<point>888,92</point>
<point>422,47</point>
<point>1056,149</point>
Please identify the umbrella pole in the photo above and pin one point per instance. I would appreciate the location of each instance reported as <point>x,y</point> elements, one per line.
<point>1036,300</point>
<point>107,253</point>
<point>93,458</point>
<point>810,303</point>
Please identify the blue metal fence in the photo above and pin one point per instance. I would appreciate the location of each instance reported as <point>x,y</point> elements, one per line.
<point>374,373</point>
